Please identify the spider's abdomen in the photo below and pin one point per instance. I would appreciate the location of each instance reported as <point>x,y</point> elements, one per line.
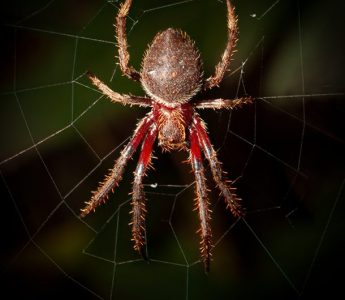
<point>172,69</point>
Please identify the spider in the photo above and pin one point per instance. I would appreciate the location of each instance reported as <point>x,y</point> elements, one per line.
<point>171,75</point>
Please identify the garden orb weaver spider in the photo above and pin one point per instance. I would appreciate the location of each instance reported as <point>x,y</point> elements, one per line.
<point>171,75</point>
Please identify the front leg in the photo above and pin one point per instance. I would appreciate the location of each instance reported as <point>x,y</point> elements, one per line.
<point>201,202</point>
<point>115,175</point>
<point>138,203</point>
<point>219,176</point>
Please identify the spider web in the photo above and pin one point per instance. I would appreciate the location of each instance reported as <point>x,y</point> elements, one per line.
<point>286,154</point>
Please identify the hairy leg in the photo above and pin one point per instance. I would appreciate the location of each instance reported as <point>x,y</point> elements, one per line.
<point>201,203</point>
<point>224,103</point>
<point>113,178</point>
<point>138,196</point>
<point>116,97</point>
<point>223,65</point>
<point>219,176</point>
<point>121,38</point>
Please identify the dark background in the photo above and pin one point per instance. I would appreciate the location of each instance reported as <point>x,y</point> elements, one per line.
<point>286,154</point>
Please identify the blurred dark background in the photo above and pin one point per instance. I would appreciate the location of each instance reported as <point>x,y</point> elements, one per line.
<point>286,153</point>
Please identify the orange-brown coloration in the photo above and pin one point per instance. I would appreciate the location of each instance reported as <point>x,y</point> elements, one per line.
<point>201,202</point>
<point>172,124</point>
<point>172,135</point>
<point>222,66</point>
<point>171,69</point>
<point>171,75</point>
<point>121,38</point>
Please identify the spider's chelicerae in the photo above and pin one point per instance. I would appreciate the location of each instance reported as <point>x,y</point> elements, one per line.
<point>171,75</point>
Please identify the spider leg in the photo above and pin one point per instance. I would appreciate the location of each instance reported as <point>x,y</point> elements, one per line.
<point>224,103</point>
<point>222,66</point>
<point>224,185</point>
<point>202,203</point>
<point>138,196</point>
<point>116,97</point>
<point>121,38</point>
<point>113,178</point>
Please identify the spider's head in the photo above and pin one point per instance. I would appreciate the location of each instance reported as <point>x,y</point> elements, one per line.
<point>172,69</point>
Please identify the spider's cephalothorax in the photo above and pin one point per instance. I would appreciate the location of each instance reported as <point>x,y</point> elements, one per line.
<point>172,124</point>
<point>171,75</point>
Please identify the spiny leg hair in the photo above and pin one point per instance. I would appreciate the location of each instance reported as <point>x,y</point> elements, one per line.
<point>138,211</point>
<point>116,97</point>
<point>223,103</point>
<point>219,176</point>
<point>223,65</point>
<point>121,37</point>
<point>201,202</point>
<point>112,180</point>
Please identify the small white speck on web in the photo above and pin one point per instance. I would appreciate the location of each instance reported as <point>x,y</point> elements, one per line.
<point>253,15</point>
<point>154,185</point>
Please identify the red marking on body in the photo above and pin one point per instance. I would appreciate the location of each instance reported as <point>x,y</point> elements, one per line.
<point>202,133</point>
<point>140,133</point>
<point>147,147</point>
<point>194,145</point>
